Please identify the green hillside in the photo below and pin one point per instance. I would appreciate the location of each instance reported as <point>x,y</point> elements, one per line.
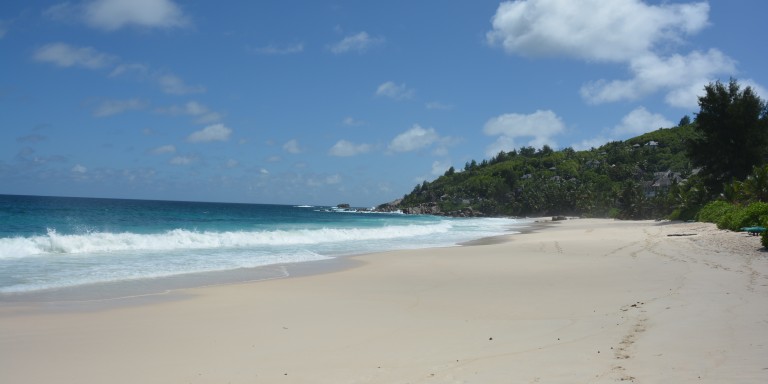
<point>526,182</point>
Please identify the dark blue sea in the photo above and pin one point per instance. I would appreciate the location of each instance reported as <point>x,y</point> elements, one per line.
<point>50,243</point>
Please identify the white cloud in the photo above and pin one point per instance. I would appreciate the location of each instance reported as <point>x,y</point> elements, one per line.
<point>628,32</point>
<point>539,126</point>
<point>345,148</point>
<point>232,163</point>
<point>65,55</point>
<point>677,74</point>
<point>292,146</point>
<point>114,107</point>
<point>587,144</point>
<point>640,121</point>
<point>174,85</point>
<point>333,179</point>
<point>193,108</point>
<point>79,169</point>
<point>358,42</point>
<point>182,160</point>
<point>352,122</point>
<point>111,15</point>
<point>439,167</point>
<point>215,132</point>
<point>394,91</point>
<point>164,149</point>
<point>759,90</point>
<point>413,139</point>
<point>126,68</point>
<point>273,49</point>
<point>603,30</point>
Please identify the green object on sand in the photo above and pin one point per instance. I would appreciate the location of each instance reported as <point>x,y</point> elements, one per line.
<point>754,230</point>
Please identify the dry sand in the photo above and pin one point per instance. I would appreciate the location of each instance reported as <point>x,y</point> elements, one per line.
<point>583,301</point>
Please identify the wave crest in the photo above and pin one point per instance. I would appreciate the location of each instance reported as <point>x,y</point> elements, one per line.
<point>182,239</point>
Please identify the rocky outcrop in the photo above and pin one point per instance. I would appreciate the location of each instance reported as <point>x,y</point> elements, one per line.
<point>422,209</point>
<point>427,209</point>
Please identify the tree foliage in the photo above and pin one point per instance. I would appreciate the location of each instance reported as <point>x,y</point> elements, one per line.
<point>731,134</point>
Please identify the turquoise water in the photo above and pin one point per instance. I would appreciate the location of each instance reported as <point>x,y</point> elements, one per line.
<point>49,243</point>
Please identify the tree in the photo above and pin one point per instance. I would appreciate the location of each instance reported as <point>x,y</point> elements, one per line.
<point>686,120</point>
<point>731,134</point>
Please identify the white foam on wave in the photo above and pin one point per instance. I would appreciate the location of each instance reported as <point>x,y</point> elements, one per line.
<point>181,239</point>
<point>151,267</point>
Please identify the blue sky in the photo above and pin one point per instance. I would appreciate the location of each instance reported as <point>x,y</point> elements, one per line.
<point>323,102</point>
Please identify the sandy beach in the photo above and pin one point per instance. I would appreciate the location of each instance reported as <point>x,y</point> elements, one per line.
<point>580,301</point>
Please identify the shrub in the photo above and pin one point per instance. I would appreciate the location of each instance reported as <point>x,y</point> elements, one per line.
<point>718,212</point>
<point>748,216</point>
<point>764,239</point>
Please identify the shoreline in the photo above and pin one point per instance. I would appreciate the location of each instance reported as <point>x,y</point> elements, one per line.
<point>141,291</point>
<point>586,300</point>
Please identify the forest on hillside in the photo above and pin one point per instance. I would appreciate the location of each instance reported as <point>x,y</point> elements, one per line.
<point>668,173</point>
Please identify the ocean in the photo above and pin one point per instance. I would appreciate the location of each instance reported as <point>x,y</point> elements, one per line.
<point>58,243</point>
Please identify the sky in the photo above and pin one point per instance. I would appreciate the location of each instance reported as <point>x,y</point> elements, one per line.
<point>327,102</point>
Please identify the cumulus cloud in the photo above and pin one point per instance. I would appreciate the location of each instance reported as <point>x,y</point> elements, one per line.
<point>79,169</point>
<point>114,107</point>
<point>395,91</point>
<point>640,121</point>
<point>215,132</point>
<point>539,127</point>
<point>605,30</point>
<point>65,55</point>
<point>292,146</point>
<point>344,148</point>
<point>111,15</point>
<point>627,32</point>
<point>358,42</point>
<point>413,139</point>
<point>679,75</point>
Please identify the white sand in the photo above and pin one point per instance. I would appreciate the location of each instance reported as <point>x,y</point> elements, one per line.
<point>584,301</point>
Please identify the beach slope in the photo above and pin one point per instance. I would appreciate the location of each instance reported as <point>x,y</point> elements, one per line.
<point>581,301</point>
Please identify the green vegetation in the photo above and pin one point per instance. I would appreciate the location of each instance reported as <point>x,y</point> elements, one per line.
<point>715,161</point>
<point>731,134</point>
